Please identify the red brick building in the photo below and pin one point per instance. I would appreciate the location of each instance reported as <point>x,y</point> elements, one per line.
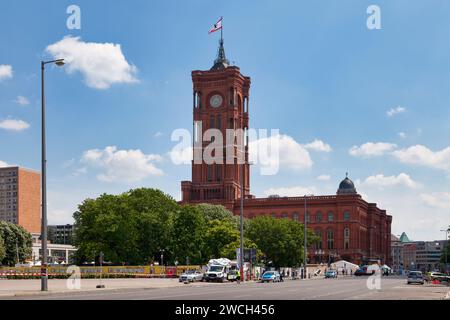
<point>20,197</point>
<point>349,227</point>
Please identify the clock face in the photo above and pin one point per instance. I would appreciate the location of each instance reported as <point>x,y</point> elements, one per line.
<point>216,101</point>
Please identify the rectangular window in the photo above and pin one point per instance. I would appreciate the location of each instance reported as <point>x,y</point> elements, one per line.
<point>209,173</point>
<point>218,172</point>
<point>231,123</point>
<point>219,122</point>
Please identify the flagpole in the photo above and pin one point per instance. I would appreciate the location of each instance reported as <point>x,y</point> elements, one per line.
<point>221,30</point>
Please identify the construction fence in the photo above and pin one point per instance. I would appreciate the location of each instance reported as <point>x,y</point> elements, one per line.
<point>63,272</point>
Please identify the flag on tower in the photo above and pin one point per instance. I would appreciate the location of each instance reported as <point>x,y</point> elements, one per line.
<point>216,27</point>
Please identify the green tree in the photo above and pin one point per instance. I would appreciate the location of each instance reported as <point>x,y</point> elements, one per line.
<point>187,235</point>
<point>280,240</point>
<point>2,249</point>
<point>129,228</point>
<point>219,233</point>
<point>217,212</point>
<point>229,250</point>
<point>17,243</point>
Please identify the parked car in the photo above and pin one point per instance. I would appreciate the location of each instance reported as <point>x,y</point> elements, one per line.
<point>191,276</point>
<point>270,276</point>
<point>415,277</point>
<point>362,271</point>
<point>331,274</point>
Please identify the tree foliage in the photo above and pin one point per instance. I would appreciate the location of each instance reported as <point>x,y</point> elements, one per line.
<point>138,226</point>
<point>2,249</point>
<point>129,228</point>
<point>17,244</point>
<point>280,240</point>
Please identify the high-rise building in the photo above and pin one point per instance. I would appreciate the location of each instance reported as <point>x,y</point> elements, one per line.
<point>60,234</point>
<point>349,227</point>
<point>20,197</point>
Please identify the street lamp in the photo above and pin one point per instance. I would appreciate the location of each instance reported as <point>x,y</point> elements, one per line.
<point>446,248</point>
<point>306,238</point>
<point>44,277</point>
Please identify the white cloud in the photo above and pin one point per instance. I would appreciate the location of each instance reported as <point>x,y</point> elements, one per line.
<point>6,72</point>
<point>297,191</point>
<point>122,165</point>
<point>158,134</point>
<point>3,164</point>
<point>371,149</point>
<point>23,101</point>
<point>437,199</point>
<point>402,135</point>
<point>289,153</point>
<point>319,146</point>
<point>380,180</point>
<point>324,177</point>
<point>14,125</point>
<point>394,111</point>
<point>421,155</point>
<point>102,64</point>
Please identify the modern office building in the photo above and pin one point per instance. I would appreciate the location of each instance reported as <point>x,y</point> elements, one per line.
<point>61,234</point>
<point>20,197</point>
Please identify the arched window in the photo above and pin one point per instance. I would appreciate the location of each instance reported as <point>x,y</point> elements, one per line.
<point>346,216</point>
<point>330,216</point>
<point>295,216</point>
<point>346,238</point>
<point>330,239</point>
<point>318,233</point>
<point>319,216</point>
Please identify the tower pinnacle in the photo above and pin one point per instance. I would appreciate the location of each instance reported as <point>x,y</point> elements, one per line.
<point>221,61</point>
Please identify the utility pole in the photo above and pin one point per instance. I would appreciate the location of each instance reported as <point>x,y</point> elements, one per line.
<point>306,242</point>
<point>17,252</point>
<point>446,247</point>
<point>44,276</point>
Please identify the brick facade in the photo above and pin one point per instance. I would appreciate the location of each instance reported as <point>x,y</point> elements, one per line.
<point>20,197</point>
<point>358,231</point>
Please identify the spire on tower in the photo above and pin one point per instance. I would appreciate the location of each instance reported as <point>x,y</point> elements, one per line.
<point>221,61</point>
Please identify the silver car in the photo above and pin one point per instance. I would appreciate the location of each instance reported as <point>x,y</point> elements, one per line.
<point>415,277</point>
<point>191,276</point>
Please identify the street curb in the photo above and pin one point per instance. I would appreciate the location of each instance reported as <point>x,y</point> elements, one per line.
<point>69,292</point>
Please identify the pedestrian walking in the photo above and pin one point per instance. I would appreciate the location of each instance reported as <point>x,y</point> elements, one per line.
<point>281,276</point>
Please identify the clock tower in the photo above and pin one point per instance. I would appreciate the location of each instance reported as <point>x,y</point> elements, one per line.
<point>220,106</point>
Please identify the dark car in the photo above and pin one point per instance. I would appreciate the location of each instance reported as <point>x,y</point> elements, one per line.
<point>362,271</point>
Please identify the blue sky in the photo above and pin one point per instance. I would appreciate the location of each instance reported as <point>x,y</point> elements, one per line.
<point>318,73</point>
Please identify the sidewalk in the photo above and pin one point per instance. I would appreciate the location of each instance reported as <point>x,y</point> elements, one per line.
<point>10,288</point>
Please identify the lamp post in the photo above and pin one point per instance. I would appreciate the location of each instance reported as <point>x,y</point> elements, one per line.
<point>306,239</point>
<point>446,247</point>
<point>44,277</point>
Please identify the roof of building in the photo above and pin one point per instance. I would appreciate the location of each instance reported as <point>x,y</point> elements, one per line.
<point>221,61</point>
<point>404,238</point>
<point>346,186</point>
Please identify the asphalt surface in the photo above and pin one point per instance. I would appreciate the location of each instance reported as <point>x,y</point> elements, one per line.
<point>319,289</point>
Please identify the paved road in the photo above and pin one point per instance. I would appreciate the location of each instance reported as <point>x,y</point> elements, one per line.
<point>321,289</point>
